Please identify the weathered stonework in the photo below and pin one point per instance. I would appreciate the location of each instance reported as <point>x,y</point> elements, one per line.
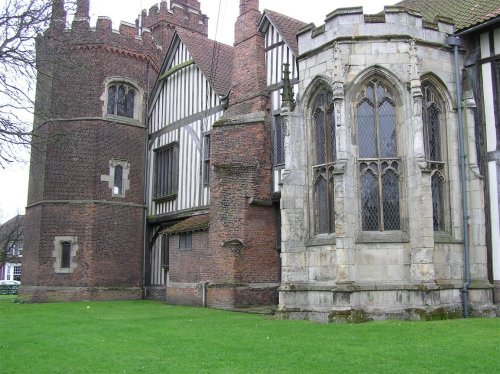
<point>413,273</point>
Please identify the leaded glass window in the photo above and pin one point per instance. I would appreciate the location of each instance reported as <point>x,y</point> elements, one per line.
<point>111,99</point>
<point>379,165</point>
<point>206,160</point>
<point>325,155</point>
<point>279,140</point>
<point>431,117</point>
<point>437,186</point>
<point>166,172</point>
<point>121,100</point>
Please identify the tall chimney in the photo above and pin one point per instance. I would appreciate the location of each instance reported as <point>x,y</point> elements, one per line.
<point>82,15</point>
<point>249,62</point>
<point>246,5</point>
<point>58,17</point>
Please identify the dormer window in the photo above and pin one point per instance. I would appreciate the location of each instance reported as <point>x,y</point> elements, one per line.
<point>121,100</point>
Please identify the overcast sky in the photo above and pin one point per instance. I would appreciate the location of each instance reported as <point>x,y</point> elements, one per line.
<point>222,14</point>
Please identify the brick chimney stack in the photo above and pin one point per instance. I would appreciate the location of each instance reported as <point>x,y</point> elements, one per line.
<point>241,160</point>
<point>82,15</point>
<point>246,5</point>
<point>249,78</point>
<point>58,17</point>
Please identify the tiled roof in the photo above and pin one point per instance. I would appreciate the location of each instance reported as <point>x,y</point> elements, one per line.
<point>195,223</point>
<point>465,13</point>
<point>287,27</point>
<point>207,53</point>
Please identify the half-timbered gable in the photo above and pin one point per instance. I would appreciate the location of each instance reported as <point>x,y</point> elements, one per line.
<point>280,48</point>
<point>188,97</point>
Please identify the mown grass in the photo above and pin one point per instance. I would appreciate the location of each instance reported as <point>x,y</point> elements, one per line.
<point>151,337</point>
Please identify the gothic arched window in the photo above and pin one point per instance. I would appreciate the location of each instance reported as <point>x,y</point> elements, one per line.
<point>431,117</point>
<point>379,164</point>
<point>323,122</point>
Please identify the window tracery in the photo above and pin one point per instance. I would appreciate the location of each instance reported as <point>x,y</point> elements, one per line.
<point>431,117</point>
<point>325,156</point>
<point>379,163</point>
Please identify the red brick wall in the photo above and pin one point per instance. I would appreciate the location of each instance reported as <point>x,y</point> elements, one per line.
<point>241,160</point>
<point>185,264</point>
<point>69,165</point>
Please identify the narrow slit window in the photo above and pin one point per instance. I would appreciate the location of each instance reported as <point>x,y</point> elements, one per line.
<point>279,140</point>
<point>323,122</point>
<point>206,160</point>
<point>65,255</point>
<point>118,180</point>
<point>431,118</point>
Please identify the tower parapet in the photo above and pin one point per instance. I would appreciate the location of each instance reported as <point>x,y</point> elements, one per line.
<point>81,21</point>
<point>161,19</point>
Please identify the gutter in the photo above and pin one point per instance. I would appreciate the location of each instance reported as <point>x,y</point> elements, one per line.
<point>455,42</point>
<point>479,27</point>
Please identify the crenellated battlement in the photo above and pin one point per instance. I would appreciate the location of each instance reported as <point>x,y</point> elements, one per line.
<point>352,24</point>
<point>148,35</point>
<point>81,32</point>
<point>182,13</point>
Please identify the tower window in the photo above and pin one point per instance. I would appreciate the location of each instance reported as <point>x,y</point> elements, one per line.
<point>66,255</point>
<point>65,250</point>
<point>118,180</point>
<point>118,177</point>
<point>121,99</point>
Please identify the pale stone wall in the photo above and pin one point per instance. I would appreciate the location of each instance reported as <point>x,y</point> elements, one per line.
<point>410,273</point>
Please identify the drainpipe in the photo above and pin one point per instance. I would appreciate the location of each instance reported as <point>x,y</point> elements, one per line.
<point>145,238</point>
<point>454,41</point>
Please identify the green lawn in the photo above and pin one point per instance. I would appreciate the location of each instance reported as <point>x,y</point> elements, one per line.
<point>151,337</point>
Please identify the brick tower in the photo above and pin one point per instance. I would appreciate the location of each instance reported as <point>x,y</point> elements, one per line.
<point>245,263</point>
<point>85,213</point>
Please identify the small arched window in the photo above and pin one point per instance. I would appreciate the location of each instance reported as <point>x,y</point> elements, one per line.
<point>121,100</point>
<point>379,164</point>
<point>323,122</point>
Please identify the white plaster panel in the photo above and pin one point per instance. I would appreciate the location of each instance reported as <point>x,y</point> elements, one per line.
<point>489,108</point>
<point>484,41</point>
<point>495,224</point>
